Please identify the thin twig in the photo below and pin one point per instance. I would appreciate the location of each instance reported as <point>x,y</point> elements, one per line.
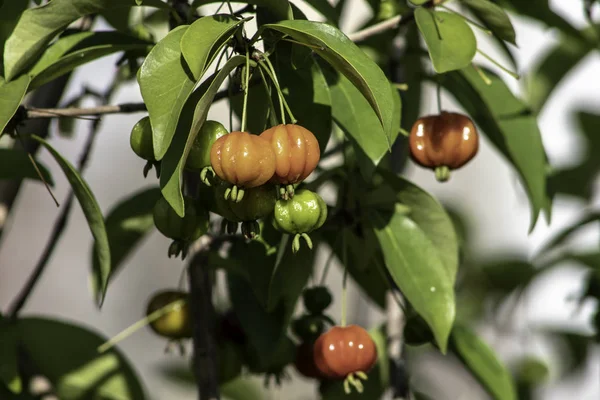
<point>375,29</point>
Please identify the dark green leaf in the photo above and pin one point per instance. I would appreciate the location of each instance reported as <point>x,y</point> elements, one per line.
<point>80,49</point>
<point>15,164</point>
<point>503,276</point>
<point>165,84</point>
<point>67,355</point>
<point>417,268</point>
<point>564,234</point>
<point>11,96</point>
<point>10,11</point>
<point>325,8</point>
<point>126,225</point>
<point>494,17</point>
<point>335,48</point>
<point>450,40</point>
<point>204,38</point>
<point>188,125</point>
<point>379,379</point>
<point>38,26</point>
<point>510,125</point>
<point>306,92</point>
<point>352,113</point>
<point>9,369</point>
<point>552,68</point>
<point>243,388</point>
<point>483,363</point>
<point>280,9</point>
<point>431,218</point>
<point>93,215</point>
<point>413,67</point>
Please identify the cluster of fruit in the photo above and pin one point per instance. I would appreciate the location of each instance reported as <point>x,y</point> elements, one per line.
<point>339,353</point>
<point>250,177</point>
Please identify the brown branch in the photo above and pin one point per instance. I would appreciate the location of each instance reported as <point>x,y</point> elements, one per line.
<point>380,27</point>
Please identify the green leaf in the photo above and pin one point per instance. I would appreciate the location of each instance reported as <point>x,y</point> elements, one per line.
<point>561,237</point>
<point>494,17</point>
<point>9,368</point>
<point>417,268</point>
<point>242,388</point>
<point>339,51</point>
<point>93,215</point>
<point>379,379</point>
<point>126,225</point>
<point>280,9</point>
<point>305,89</point>
<point>188,125</point>
<point>165,84</point>
<point>38,26</point>
<point>510,125</point>
<point>11,96</point>
<point>325,8</point>
<point>352,113</point>
<point>204,38</point>
<point>67,355</point>
<point>72,51</point>
<point>553,68</point>
<point>15,164</point>
<point>450,40</point>
<point>430,216</point>
<point>10,11</point>
<point>483,363</point>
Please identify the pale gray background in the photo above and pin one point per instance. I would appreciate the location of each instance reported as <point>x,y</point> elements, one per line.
<point>486,189</point>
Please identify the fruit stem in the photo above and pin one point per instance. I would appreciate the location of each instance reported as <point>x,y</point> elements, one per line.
<point>273,112</point>
<point>274,80</point>
<point>442,174</point>
<point>439,96</point>
<point>497,64</point>
<point>482,75</point>
<point>245,80</point>
<point>271,72</point>
<point>344,279</point>
<point>139,324</point>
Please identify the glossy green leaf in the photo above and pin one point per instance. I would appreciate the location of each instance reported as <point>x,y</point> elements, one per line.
<point>379,376</point>
<point>450,40</point>
<point>94,217</point>
<point>553,68</point>
<point>339,51</point>
<point>11,96</point>
<point>127,224</point>
<point>204,38</point>
<point>97,45</point>
<point>417,268</point>
<point>494,17</point>
<point>510,125</point>
<point>165,84</point>
<point>9,369</point>
<point>305,89</point>
<point>67,355</point>
<point>429,215</point>
<point>325,8</point>
<point>278,8</point>
<point>39,25</point>
<point>352,113</point>
<point>15,164</point>
<point>188,125</point>
<point>10,12</point>
<point>483,363</point>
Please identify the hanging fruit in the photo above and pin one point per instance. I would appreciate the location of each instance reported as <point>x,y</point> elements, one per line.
<point>198,159</point>
<point>297,154</point>
<point>140,141</point>
<point>300,215</point>
<point>174,323</point>
<point>443,142</point>
<point>346,353</point>
<point>244,160</point>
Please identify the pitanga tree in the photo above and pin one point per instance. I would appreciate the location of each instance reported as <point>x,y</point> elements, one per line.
<point>245,199</point>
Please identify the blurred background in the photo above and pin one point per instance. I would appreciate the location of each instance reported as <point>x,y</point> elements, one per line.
<point>486,191</point>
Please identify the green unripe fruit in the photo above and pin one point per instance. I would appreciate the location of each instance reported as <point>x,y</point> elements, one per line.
<point>176,323</point>
<point>532,371</point>
<point>141,139</point>
<point>230,361</point>
<point>189,228</point>
<point>303,213</point>
<point>308,327</point>
<point>257,203</point>
<point>316,299</point>
<point>199,156</point>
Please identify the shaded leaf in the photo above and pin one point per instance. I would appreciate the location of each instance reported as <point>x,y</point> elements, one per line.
<point>93,215</point>
<point>38,26</point>
<point>494,17</point>
<point>339,51</point>
<point>127,223</point>
<point>483,363</point>
<point>450,40</point>
<point>15,164</point>
<point>242,388</point>
<point>72,51</point>
<point>188,125</point>
<point>510,125</point>
<point>278,8</point>
<point>9,369</point>
<point>66,354</point>
<point>325,8</point>
<point>10,11</point>
<point>11,96</point>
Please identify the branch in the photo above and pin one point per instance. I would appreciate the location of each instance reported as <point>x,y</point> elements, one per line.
<point>382,26</point>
